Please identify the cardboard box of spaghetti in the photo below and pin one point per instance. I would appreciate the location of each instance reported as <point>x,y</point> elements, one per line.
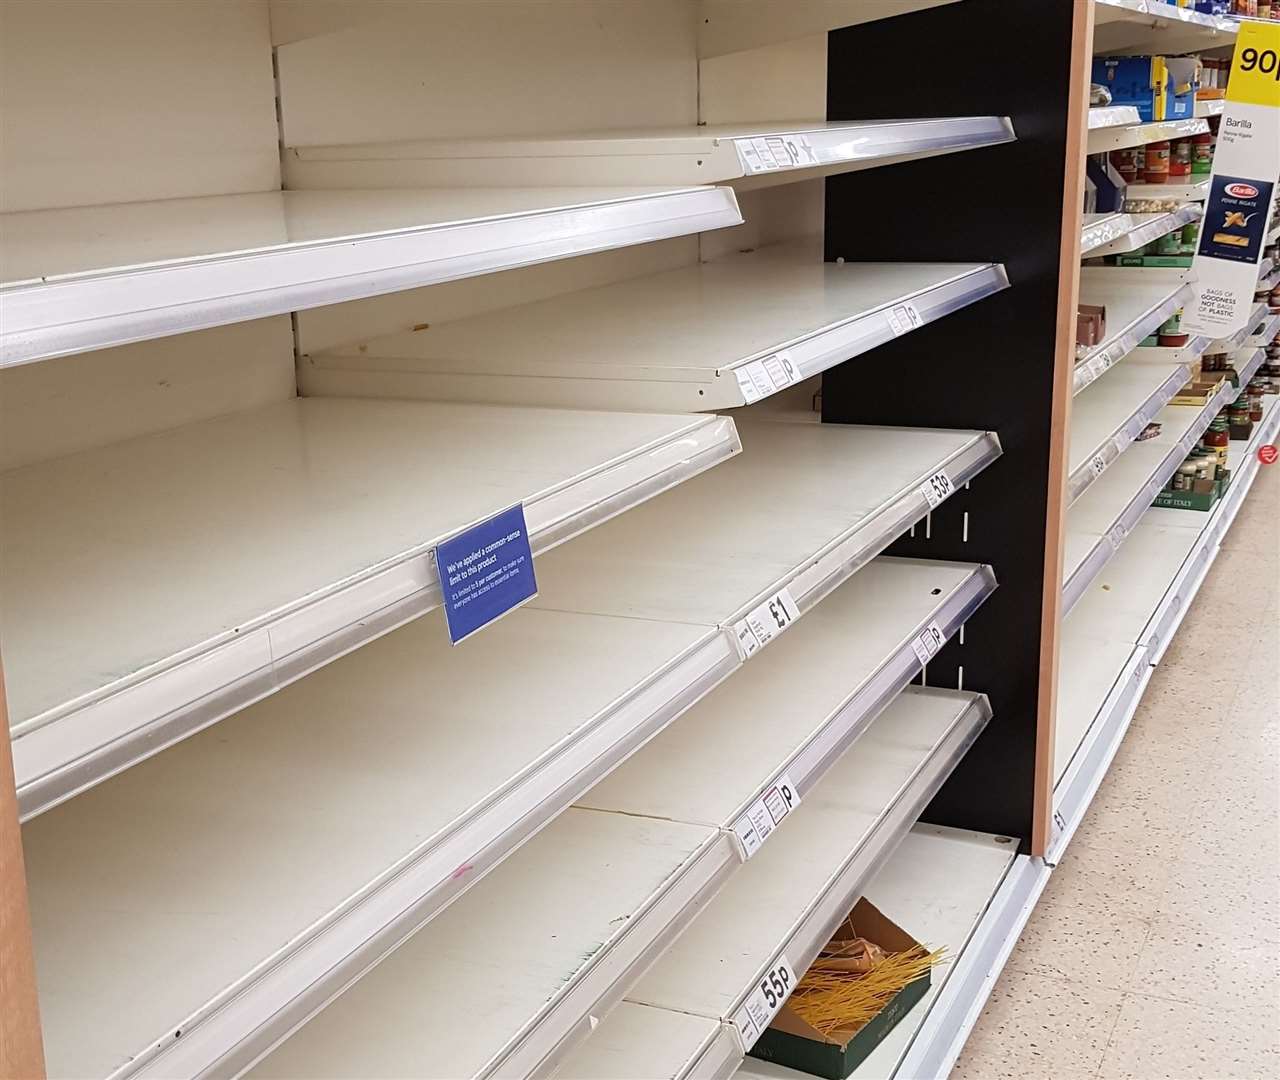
<point>834,1052</point>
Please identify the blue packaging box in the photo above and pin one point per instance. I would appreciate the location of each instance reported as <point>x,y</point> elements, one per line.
<point>1135,80</point>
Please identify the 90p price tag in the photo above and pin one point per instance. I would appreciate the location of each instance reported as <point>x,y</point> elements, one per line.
<point>937,488</point>
<point>764,1001</point>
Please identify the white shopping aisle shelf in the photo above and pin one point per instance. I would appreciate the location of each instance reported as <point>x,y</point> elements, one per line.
<point>1112,413</point>
<point>156,585</point>
<point>703,154</point>
<point>1123,623</point>
<point>1138,301</point>
<point>1112,506</point>
<point>368,1031</point>
<point>90,277</point>
<point>485,802</point>
<point>844,664</point>
<point>1114,234</point>
<point>942,885</point>
<point>781,907</point>
<point>716,335</point>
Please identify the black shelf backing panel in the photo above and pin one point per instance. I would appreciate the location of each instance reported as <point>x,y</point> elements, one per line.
<point>989,366</point>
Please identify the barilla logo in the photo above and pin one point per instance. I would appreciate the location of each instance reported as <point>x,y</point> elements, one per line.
<point>1241,191</point>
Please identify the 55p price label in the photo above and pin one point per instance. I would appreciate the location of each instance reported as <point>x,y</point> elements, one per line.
<point>764,1001</point>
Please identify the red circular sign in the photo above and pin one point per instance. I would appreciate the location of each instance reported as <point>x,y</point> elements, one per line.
<point>1267,454</point>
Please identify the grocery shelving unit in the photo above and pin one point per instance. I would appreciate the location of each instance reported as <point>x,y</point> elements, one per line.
<point>329,285</point>
<point>1131,570</point>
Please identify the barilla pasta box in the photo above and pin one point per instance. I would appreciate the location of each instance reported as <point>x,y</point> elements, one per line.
<point>1235,218</point>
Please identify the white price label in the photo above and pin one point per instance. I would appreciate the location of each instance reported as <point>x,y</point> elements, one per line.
<point>1098,465</point>
<point>904,318</point>
<point>760,378</point>
<point>776,152</point>
<point>747,385</point>
<point>927,643</point>
<point>781,370</point>
<point>1116,537</point>
<point>765,622</point>
<point>764,151</point>
<point>937,488</point>
<point>766,814</point>
<point>764,1001</point>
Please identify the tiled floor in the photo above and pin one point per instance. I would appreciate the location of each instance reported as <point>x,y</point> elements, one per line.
<point>1155,950</point>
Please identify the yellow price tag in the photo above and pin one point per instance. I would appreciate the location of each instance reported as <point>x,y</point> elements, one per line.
<point>1255,68</point>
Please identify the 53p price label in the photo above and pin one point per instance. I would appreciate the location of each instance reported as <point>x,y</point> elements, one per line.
<point>937,488</point>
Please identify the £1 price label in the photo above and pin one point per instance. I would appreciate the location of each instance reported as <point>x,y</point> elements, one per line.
<point>766,621</point>
<point>937,488</point>
<point>764,815</point>
<point>764,1001</point>
<point>927,643</point>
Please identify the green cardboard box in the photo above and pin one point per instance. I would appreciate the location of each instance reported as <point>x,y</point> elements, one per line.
<point>1201,500</point>
<point>792,1042</point>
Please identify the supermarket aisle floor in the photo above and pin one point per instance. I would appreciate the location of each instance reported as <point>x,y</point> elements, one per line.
<point>1155,951</point>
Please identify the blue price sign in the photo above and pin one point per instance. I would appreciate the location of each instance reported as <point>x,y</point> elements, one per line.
<point>485,572</point>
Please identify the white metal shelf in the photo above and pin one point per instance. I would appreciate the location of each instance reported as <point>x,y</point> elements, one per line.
<point>1102,117</point>
<point>701,154</point>
<point>953,889</point>
<point>1113,234</point>
<point>506,982</point>
<point>787,721</point>
<point>788,899</point>
<point>1138,301</point>
<point>717,335</point>
<point>640,1041</point>
<point>1153,26</point>
<point>728,26</point>
<point>1105,139</point>
<point>946,886</point>
<point>1112,413</point>
<point>435,719</point>
<point>440,765</point>
<point>812,504</point>
<point>91,277</point>
<point>1108,511</point>
<point>420,1012</point>
<point>1260,324</point>
<point>1123,623</point>
<point>347,1026</point>
<point>1210,107</point>
<point>154,586</point>
<point>1191,191</point>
